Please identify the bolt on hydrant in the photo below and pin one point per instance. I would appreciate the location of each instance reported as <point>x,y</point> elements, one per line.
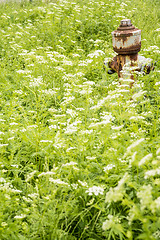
<point>127,43</point>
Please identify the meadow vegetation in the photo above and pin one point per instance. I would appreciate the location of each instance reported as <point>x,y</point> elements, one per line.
<point>79,153</point>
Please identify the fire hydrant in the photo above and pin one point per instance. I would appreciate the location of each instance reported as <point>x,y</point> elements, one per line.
<point>127,43</point>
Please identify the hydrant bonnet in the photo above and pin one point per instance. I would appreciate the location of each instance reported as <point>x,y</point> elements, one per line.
<point>126,39</point>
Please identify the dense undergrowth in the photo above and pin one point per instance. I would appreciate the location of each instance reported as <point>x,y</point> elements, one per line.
<point>79,154</point>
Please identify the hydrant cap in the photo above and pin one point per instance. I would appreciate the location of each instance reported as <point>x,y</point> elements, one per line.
<point>126,22</point>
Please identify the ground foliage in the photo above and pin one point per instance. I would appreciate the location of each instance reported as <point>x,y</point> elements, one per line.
<point>79,154</point>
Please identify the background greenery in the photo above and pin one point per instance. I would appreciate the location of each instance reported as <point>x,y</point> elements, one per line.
<point>79,154</point>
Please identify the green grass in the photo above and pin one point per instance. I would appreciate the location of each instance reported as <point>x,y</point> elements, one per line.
<point>79,155</point>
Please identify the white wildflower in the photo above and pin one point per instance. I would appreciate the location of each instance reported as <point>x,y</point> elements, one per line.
<point>11,138</point>
<point>46,141</point>
<point>138,95</point>
<point>20,216</point>
<point>27,199</point>
<point>4,224</point>
<point>18,91</point>
<point>70,129</point>
<point>157,202</point>
<point>58,181</point>
<point>74,185</point>
<point>95,191</point>
<point>145,159</point>
<point>3,145</point>
<point>33,195</point>
<point>152,173</point>
<point>14,165</point>
<point>91,83</point>
<point>111,222</point>
<point>75,55</point>
<point>68,99</point>
<point>59,68</point>
<point>23,130</point>
<point>71,112</point>
<point>23,71</point>
<point>92,125</point>
<point>117,127</point>
<point>135,144</point>
<point>30,175</point>
<point>35,82</point>
<point>12,190</point>
<point>69,164</point>
<point>86,131</point>
<point>13,123</point>
<point>2,180</point>
<point>96,54</point>
<point>145,196</point>
<point>84,184</point>
<point>86,90</point>
<point>117,193</point>
<point>76,169</point>
<point>85,63</point>
<point>90,158</point>
<point>158,151</point>
<point>46,174</point>
<point>50,91</point>
<point>109,167</point>
<point>71,148</point>
<point>67,63</point>
<point>59,142</point>
<point>136,118</point>
<point>32,126</point>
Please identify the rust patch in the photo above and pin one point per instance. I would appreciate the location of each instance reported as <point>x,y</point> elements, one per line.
<point>129,50</point>
<point>133,57</point>
<point>119,61</point>
<point>123,33</point>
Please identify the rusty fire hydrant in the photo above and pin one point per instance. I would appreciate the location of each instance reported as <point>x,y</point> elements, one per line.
<point>127,43</point>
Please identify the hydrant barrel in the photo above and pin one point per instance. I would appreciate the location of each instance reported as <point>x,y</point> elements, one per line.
<point>126,39</point>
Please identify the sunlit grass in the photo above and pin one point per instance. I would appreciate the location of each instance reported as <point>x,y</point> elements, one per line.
<point>79,153</point>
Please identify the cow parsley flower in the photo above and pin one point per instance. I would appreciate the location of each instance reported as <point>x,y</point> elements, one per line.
<point>69,164</point>
<point>111,222</point>
<point>20,216</point>
<point>58,181</point>
<point>2,180</point>
<point>46,174</point>
<point>145,196</point>
<point>158,151</point>
<point>109,167</point>
<point>152,173</point>
<point>117,193</point>
<point>135,144</point>
<point>145,159</point>
<point>95,191</point>
<point>90,158</point>
<point>96,54</point>
<point>83,184</point>
<point>46,141</point>
<point>3,144</point>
